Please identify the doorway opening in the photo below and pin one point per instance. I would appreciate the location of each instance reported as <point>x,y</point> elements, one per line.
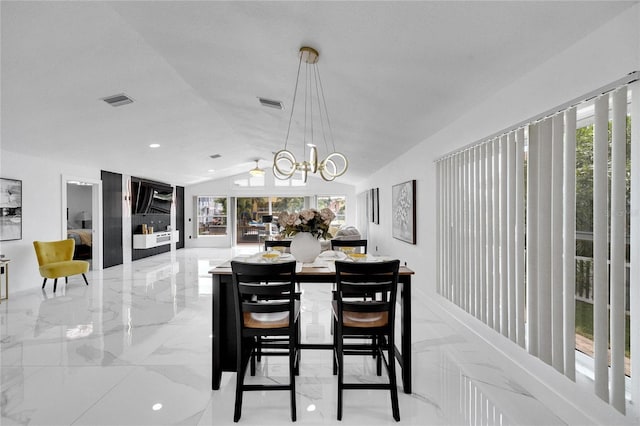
<point>81,201</point>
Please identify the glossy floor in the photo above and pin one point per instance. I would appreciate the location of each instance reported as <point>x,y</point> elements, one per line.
<point>134,348</point>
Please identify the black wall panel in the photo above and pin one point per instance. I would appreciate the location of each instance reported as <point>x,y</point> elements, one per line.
<point>112,218</point>
<point>180,216</point>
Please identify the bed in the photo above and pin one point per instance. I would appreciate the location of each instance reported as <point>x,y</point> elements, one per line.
<point>82,237</point>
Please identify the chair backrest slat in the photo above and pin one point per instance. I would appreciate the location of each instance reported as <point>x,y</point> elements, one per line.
<point>270,244</point>
<point>361,244</point>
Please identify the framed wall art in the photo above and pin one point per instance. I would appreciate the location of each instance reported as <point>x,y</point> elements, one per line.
<point>403,216</point>
<point>375,205</point>
<point>10,209</point>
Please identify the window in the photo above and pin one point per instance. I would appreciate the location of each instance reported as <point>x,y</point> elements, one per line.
<point>250,182</point>
<point>250,227</point>
<point>534,228</point>
<point>212,216</point>
<point>337,204</point>
<point>296,180</point>
<point>584,232</point>
<point>289,204</point>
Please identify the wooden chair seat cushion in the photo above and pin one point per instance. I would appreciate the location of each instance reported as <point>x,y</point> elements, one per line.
<point>361,319</point>
<point>64,269</point>
<point>269,320</point>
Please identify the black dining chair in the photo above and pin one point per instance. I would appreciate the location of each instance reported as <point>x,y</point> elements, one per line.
<point>357,315</point>
<point>267,313</point>
<point>361,245</point>
<point>275,243</point>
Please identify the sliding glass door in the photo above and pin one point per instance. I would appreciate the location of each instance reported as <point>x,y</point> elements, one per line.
<point>256,216</point>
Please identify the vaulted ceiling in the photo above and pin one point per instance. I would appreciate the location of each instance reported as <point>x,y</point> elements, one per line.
<point>393,74</point>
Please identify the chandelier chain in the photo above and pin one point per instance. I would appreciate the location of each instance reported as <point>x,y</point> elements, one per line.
<point>293,105</point>
<point>326,111</point>
<point>320,113</point>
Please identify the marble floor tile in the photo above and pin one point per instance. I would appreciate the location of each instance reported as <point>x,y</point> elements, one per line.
<point>134,348</point>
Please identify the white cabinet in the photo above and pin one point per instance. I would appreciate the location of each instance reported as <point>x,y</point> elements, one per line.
<point>145,241</point>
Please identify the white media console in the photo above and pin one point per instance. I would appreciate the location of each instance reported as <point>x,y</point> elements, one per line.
<point>146,241</point>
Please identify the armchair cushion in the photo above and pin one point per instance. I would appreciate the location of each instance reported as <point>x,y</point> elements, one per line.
<point>64,269</point>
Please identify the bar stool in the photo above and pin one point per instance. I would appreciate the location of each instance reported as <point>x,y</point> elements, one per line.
<point>267,309</point>
<point>356,315</point>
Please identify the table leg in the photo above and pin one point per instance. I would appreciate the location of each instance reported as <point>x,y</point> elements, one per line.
<point>216,373</point>
<point>405,315</point>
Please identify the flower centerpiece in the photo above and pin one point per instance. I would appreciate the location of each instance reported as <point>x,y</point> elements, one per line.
<point>309,220</point>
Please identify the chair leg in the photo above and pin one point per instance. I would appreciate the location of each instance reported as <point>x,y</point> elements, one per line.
<point>378,341</point>
<point>66,280</point>
<point>392,381</point>
<point>85,279</point>
<point>335,347</point>
<point>242,369</point>
<point>43,283</point>
<point>259,348</point>
<point>340,360</point>
<point>293,345</point>
<point>237,412</point>
<point>55,284</point>
<point>298,351</point>
<point>252,362</point>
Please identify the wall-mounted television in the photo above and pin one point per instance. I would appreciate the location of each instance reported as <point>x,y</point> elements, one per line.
<point>151,197</point>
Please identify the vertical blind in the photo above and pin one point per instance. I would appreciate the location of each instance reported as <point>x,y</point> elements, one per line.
<point>506,212</point>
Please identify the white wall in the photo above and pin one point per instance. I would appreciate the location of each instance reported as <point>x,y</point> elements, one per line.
<point>225,187</point>
<point>41,211</point>
<point>609,53</point>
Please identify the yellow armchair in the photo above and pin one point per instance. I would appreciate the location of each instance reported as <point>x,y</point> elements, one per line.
<point>55,259</point>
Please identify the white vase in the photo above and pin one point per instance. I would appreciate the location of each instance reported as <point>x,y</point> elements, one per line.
<point>305,247</point>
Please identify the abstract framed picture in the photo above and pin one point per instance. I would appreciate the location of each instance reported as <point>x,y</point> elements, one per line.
<point>10,209</point>
<point>403,215</point>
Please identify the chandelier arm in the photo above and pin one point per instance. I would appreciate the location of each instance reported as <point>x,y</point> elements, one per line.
<point>322,174</point>
<point>304,169</point>
<point>313,159</point>
<point>334,173</point>
<point>287,156</point>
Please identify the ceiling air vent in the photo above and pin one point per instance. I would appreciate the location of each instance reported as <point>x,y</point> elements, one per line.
<point>271,103</point>
<point>118,100</point>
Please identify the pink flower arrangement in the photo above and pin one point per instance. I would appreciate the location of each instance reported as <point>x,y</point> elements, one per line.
<point>309,220</point>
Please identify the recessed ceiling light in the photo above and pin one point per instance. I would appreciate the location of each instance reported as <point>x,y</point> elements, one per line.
<point>211,170</point>
<point>154,145</point>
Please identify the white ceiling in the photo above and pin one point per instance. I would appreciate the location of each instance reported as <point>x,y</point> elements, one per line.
<point>393,74</point>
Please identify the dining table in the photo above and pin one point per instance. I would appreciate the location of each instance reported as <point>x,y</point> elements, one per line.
<point>321,272</point>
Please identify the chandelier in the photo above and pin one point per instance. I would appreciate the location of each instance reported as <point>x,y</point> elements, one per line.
<point>315,111</point>
<point>256,171</point>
